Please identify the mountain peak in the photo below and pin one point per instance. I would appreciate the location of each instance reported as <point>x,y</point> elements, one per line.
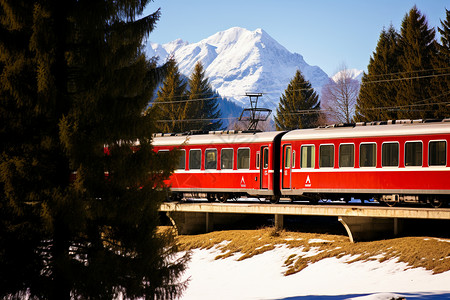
<point>234,35</point>
<point>351,73</point>
<point>238,60</point>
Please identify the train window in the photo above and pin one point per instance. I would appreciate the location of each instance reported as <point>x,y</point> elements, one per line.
<point>437,153</point>
<point>389,155</point>
<point>287,156</point>
<point>243,158</point>
<point>163,154</point>
<point>368,155</point>
<point>307,157</point>
<point>413,154</point>
<point>265,157</point>
<point>195,159</point>
<point>326,156</point>
<point>346,155</point>
<point>211,159</point>
<point>182,161</point>
<point>257,160</point>
<point>226,159</point>
<point>293,159</point>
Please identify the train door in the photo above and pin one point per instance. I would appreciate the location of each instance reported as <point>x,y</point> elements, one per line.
<point>287,156</point>
<point>264,169</point>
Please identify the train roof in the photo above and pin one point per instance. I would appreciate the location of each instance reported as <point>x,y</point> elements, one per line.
<point>214,137</point>
<point>372,129</point>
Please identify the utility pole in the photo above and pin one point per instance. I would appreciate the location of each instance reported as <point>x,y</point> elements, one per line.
<point>254,114</point>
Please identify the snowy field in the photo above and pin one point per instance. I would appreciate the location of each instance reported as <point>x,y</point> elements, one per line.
<point>261,277</point>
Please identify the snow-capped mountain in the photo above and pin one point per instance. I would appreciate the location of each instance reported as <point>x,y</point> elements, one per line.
<point>238,60</point>
<point>352,73</point>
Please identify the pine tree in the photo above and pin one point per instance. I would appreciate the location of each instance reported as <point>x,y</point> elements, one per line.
<point>28,141</point>
<point>417,49</point>
<point>441,65</point>
<point>377,95</point>
<point>73,79</point>
<point>444,46</point>
<point>299,105</point>
<point>170,107</point>
<point>204,105</point>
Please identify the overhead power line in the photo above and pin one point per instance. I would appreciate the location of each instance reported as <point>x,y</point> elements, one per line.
<point>197,120</point>
<point>406,78</point>
<point>407,72</point>
<point>183,101</point>
<point>277,92</point>
<point>312,111</point>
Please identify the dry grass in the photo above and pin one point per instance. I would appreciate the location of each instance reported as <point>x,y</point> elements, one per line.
<point>429,253</point>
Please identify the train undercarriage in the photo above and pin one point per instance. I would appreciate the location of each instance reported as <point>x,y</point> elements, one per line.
<point>390,200</point>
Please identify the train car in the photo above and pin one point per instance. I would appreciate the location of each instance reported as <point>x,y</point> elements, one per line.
<point>402,161</point>
<point>224,164</point>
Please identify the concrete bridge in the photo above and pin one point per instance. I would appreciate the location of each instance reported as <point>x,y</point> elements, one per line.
<point>362,223</point>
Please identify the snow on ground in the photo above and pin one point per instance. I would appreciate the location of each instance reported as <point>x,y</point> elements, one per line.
<point>261,277</point>
<point>317,241</point>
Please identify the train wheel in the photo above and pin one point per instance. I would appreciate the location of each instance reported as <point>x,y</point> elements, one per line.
<point>273,199</point>
<point>177,197</point>
<point>211,197</point>
<point>222,197</point>
<point>391,203</point>
<point>436,202</point>
<point>313,201</point>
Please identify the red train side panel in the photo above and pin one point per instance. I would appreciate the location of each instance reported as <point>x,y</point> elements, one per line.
<point>234,163</point>
<point>408,159</point>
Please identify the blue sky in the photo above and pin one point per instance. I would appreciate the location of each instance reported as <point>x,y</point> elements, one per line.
<point>327,33</point>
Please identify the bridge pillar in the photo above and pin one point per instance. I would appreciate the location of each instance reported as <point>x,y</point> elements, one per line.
<point>279,221</point>
<point>209,222</point>
<point>201,222</point>
<point>191,223</point>
<point>369,228</point>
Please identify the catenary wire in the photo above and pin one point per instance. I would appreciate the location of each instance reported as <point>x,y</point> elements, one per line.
<point>274,92</point>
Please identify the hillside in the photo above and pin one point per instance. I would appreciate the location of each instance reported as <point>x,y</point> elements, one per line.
<point>270,264</point>
<point>432,254</point>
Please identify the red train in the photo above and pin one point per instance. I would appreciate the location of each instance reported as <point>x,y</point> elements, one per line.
<point>398,161</point>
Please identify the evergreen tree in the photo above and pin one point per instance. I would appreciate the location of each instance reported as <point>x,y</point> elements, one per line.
<point>73,79</point>
<point>378,89</point>
<point>444,46</point>
<point>170,107</point>
<point>299,105</point>
<point>204,105</point>
<point>417,49</point>
<point>441,64</point>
